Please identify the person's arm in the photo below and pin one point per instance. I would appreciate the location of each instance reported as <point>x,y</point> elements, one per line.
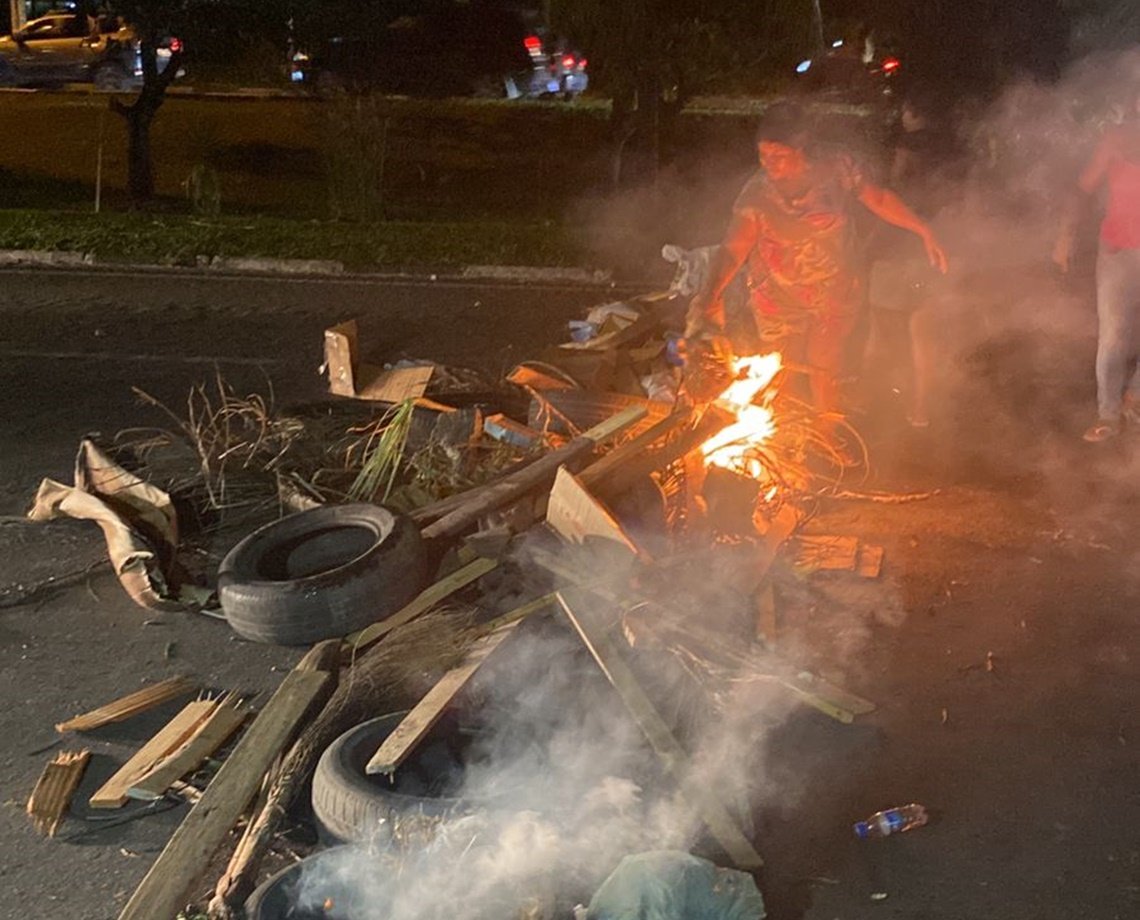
<point>888,206</point>
<point>708,311</point>
<point>1091,178</point>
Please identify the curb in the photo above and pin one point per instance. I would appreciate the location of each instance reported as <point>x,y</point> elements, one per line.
<point>315,267</point>
<point>45,257</point>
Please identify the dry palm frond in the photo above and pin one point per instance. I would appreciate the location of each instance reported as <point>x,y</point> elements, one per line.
<point>383,454</point>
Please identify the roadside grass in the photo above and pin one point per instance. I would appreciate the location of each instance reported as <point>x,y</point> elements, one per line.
<point>178,239</point>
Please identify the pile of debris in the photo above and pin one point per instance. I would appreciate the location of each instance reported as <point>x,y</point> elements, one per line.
<point>587,481</point>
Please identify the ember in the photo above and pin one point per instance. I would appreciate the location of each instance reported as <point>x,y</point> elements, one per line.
<point>735,447</point>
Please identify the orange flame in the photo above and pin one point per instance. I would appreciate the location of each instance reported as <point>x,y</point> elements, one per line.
<point>733,447</point>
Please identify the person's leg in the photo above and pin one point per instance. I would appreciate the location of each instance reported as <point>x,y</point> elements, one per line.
<point>1117,285</point>
<point>922,365</point>
<point>825,349</point>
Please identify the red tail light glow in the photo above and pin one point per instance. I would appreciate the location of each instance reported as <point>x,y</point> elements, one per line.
<point>582,63</point>
<point>568,62</point>
<point>891,64</point>
<point>533,44</point>
<point>176,45</point>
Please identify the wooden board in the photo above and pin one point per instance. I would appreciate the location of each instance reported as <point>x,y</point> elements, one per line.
<point>54,789</point>
<point>712,811</point>
<point>870,564</point>
<point>130,705</point>
<point>421,603</point>
<point>113,793</point>
<point>817,552</point>
<point>576,516</point>
<point>186,856</point>
<point>394,750</point>
<point>211,733</point>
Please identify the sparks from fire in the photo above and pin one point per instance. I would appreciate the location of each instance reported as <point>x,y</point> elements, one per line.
<point>733,448</point>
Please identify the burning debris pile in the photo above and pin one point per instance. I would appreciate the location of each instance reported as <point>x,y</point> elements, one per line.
<point>598,533</point>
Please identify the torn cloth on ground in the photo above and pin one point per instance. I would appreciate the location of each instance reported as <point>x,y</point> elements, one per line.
<point>138,521</point>
<point>673,885</point>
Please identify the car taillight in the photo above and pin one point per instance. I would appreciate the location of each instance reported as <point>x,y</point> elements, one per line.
<point>582,63</point>
<point>891,64</point>
<point>176,45</point>
<point>533,44</point>
<point>568,62</point>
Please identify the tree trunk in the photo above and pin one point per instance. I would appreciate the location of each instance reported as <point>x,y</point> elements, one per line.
<point>140,168</point>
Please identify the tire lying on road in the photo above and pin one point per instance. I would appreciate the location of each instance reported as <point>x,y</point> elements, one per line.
<point>320,574</point>
<point>352,807</point>
<point>283,896</point>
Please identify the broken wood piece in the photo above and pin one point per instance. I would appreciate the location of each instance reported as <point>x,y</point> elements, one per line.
<point>712,811</point>
<point>538,474</point>
<point>575,515</point>
<point>210,734</point>
<point>394,750</point>
<point>816,552</point>
<point>130,705</point>
<point>533,377</point>
<point>870,564</point>
<point>54,789</point>
<point>187,854</point>
<point>113,793</point>
<point>421,603</point>
<point>349,377</point>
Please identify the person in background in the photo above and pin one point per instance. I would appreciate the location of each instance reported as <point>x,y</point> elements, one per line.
<point>1115,167</point>
<point>904,286</point>
<point>792,228</point>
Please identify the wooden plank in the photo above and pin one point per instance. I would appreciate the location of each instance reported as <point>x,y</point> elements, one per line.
<point>576,515</point>
<point>394,385</point>
<point>831,553</point>
<point>54,789</point>
<point>394,750</point>
<point>538,474</point>
<point>601,469</point>
<point>712,811</point>
<point>211,733</point>
<point>113,793</point>
<point>130,705</point>
<point>421,603</point>
<point>870,564</point>
<point>186,856</point>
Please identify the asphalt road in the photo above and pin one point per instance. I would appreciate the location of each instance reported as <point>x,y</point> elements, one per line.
<point>1027,559</point>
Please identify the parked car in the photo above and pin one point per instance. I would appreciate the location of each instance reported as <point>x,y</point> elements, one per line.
<point>456,50</point>
<point>68,47</point>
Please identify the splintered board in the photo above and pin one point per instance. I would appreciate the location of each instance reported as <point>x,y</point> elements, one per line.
<point>130,705</point>
<point>54,789</point>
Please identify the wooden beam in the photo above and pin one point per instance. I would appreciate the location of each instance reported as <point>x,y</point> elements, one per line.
<point>712,811</point>
<point>130,705</point>
<point>54,789</point>
<point>187,854</point>
<point>601,469</point>
<point>394,750</point>
<point>421,603</point>
<point>211,733</point>
<point>538,474</point>
<point>113,793</point>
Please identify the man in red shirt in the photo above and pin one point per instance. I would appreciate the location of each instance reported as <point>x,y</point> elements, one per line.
<point>1115,164</point>
<point>792,226</point>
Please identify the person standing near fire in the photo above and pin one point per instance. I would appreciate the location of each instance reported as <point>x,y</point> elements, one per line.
<point>1115,167</point>
<point>792,228</point>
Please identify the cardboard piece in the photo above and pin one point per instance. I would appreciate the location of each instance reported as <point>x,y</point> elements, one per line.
<point>348,377</point>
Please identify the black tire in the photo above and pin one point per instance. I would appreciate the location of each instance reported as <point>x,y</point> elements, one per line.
<point>110,77</point>
<point>352,807</point>
<point>276,897</point>
<point>321,574</point>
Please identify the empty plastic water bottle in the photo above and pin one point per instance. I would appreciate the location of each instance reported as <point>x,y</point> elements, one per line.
<point>892,821</point>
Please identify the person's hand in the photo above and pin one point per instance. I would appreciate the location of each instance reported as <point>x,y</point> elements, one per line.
<point>1063,252</point>
<point>934,253</point>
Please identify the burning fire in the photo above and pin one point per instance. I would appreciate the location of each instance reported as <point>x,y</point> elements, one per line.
<point>734,447</point>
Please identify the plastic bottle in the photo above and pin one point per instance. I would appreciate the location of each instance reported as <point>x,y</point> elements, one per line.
<point>892,821</point>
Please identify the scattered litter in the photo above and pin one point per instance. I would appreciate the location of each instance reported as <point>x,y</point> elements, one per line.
<point>892,821</point>
<point>878,895</point>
